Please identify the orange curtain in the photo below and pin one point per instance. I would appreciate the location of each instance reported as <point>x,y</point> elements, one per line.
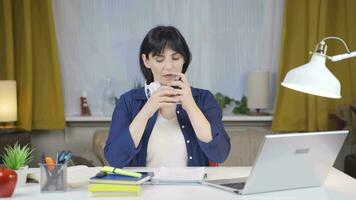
<point>28,54</point>
<point>306,22</point>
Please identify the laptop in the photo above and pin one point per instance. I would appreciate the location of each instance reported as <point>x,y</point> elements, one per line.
<point>288,161</point>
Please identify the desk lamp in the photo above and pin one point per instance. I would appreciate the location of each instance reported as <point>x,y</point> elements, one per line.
<point>8,103</point>
<point>314,77</point>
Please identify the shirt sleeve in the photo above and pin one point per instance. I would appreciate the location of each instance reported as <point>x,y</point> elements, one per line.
<point>120,148</point>
<point>218,149</point>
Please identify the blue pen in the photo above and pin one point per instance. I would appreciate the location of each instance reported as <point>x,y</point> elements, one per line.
<point>61,157</point>
<point>68,156</point>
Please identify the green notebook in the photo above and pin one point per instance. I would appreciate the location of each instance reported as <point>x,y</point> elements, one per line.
<point>115,194</point>
<point>102,187</point>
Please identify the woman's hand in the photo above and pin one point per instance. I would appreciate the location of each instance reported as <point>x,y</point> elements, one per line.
<point>184,93</point>
<point>201,125</point>
<point>163,97</point>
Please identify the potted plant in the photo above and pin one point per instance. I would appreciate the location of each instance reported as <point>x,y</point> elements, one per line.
<point>233,106</point>
<point>17,158</point>
<point>345,118</point>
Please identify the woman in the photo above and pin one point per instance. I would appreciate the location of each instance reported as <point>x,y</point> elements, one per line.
<point>177,125</point>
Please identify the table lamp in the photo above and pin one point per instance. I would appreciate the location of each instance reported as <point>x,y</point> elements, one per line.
<point>8,103</point>
<point>257,91</point>
<point>314,77</point>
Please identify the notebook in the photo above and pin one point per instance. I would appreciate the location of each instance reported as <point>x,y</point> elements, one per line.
<point>120,179</point>
<point>113,190</point>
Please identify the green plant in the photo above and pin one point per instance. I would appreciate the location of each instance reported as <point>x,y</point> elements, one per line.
<point>240,106</point>
<point>222,100</point>
<point>16,156</point>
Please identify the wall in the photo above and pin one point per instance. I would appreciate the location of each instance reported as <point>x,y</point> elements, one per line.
<point>50,142</point>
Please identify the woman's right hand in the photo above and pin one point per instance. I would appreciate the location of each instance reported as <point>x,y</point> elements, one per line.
<point>163,97</point>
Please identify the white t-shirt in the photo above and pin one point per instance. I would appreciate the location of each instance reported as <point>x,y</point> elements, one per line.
<point>166,146</point>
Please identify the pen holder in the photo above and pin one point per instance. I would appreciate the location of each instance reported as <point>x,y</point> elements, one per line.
<point>53,178</point>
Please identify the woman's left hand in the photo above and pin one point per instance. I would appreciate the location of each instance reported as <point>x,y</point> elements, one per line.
<point>184,93</point>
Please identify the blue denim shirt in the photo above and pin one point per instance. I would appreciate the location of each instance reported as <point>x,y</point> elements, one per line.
<point>120,150</point>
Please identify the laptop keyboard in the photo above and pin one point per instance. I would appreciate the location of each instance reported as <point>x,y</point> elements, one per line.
<point>238,186</point>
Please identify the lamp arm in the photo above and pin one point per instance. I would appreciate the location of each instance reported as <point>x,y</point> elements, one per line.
<point>321,48</point>
<point>336,38</point>
<point>342,56</point>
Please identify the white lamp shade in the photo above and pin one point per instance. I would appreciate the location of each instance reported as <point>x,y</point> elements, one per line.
<point>8,101</point>
<point>313,78</point>
<point>258,89</point>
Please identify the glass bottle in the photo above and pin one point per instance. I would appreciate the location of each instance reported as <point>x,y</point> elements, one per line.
<point>84,105</point>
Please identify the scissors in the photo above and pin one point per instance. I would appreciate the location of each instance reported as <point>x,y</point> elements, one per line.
<point>64,156</point>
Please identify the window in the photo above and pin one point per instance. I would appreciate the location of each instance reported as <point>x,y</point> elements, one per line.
<point>100,39</point>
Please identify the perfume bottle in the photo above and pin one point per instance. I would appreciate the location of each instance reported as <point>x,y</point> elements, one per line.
<point>108,98</point>
<point>84,105</point>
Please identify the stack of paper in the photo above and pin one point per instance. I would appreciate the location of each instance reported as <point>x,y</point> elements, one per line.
<point>113,190</point>
<point>177,175</point>
<point>114,185</point>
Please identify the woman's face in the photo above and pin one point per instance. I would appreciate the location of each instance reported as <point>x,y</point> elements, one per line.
<point>162,65</point>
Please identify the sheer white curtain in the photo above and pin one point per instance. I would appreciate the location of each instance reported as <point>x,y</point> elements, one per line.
<point>100,39</point>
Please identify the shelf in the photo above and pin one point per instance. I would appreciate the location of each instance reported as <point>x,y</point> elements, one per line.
<point>87,119</point>
<point>244,118</point>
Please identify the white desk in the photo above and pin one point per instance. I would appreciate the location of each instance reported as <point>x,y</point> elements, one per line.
<point>338,186</point>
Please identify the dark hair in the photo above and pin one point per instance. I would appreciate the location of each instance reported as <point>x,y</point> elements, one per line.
<point>156,40</point>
